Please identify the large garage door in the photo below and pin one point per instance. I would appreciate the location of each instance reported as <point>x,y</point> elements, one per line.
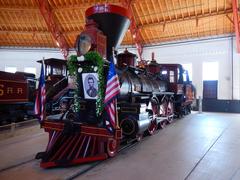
<point>210,89</point>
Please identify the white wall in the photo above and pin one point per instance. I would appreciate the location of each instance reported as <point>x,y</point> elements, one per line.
<point>236,72</point>
<point>197,52</point>
<point>21,58</point>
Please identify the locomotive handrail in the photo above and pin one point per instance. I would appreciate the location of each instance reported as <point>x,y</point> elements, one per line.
<point>60,81</point>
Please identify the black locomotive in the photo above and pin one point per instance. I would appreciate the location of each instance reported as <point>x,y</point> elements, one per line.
<point>149,97</point>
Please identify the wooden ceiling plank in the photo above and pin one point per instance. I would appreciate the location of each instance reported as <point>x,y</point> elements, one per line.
<point>202,7</point>
<point>185,31</point>
<point>188,8</point>
<point>149,12</point>
<point>155,10</point>
<point>16,25</point>
<point>138,16</point>
<point>225,5</point>
<point>209,7</point>
<point>174,8</point>
<point>3,15</point>
<point>161,9</point>
<point>180,2</point>
<point>167,9</point>
<point>182,36</point>
<point>195,9</point>
<point>132,10</point>
<point>146,19</point>
<point>177,28</point>
<point>206,15</point>
<point>63,18</point>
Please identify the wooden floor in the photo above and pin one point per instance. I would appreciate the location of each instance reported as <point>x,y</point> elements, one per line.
<point>199,146</point>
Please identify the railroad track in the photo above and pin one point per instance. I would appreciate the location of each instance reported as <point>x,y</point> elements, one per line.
<point>14,126</point>
<point>82,168</point>
<point>128,146</point>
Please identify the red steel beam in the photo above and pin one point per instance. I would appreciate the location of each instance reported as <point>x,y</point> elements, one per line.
<point>235,20</point>
<point>53,27</point>
<point>134,29</point>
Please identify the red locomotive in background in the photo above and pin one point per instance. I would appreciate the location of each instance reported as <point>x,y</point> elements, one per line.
<point>16,95</point>
<point>149,97</point>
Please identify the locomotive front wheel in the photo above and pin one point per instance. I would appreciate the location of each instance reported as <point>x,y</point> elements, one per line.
<point>152,127</point>
<point>112,147</point>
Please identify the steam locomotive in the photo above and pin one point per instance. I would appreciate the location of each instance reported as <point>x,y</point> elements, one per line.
<point>149,97</point>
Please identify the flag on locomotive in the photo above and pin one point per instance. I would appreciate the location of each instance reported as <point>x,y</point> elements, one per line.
<point>40,97</point>
<point>112,90</point>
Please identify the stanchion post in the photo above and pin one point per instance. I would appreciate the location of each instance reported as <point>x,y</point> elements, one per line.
<point>13,125</point>
<point>200,104</point>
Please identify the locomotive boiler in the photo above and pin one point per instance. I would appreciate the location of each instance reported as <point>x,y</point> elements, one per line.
<point>144,104</point>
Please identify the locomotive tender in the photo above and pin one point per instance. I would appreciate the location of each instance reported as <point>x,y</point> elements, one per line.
<point>145,103</point>
<point>16,96</point>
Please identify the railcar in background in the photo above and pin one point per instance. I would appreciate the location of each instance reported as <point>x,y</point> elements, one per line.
<point>16,96</point>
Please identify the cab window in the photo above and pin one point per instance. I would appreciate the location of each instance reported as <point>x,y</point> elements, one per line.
<point>171,76</point>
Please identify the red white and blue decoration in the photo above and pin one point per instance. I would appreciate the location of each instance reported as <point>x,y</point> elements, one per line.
<point>112,90</point>
<point>40,97</point>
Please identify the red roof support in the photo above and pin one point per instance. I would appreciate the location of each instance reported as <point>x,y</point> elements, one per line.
<point>134,29</point>
<point>53,27</point>
<point>235,20</point>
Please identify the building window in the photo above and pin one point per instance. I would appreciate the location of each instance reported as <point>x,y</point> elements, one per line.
<point>188,67</point>
<point>10,69</point>
<point>30,70</point>
<point>210,71</point>
<point>210,80</point>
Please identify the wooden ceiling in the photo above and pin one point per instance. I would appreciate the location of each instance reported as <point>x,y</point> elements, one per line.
<point>22,24</point>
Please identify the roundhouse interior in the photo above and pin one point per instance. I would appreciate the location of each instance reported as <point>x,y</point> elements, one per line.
<point>174,116</point>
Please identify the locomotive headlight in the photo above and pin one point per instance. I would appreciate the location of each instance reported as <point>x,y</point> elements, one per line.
<point>83,44</point>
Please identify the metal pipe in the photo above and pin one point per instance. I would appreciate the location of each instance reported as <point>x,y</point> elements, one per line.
<point>236,26</point>
<point>232,64</point>
<point>200,104</point>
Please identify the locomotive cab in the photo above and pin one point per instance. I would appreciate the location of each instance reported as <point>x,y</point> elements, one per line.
<point>56,75</point>
<point>56,83</point>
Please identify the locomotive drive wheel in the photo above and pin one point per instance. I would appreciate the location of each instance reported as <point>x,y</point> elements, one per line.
<point>152,127</point>
<point>112,147</point>
<point>170,112</point>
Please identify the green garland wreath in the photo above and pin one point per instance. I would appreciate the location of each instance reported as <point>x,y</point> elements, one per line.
<point>97,66</point>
